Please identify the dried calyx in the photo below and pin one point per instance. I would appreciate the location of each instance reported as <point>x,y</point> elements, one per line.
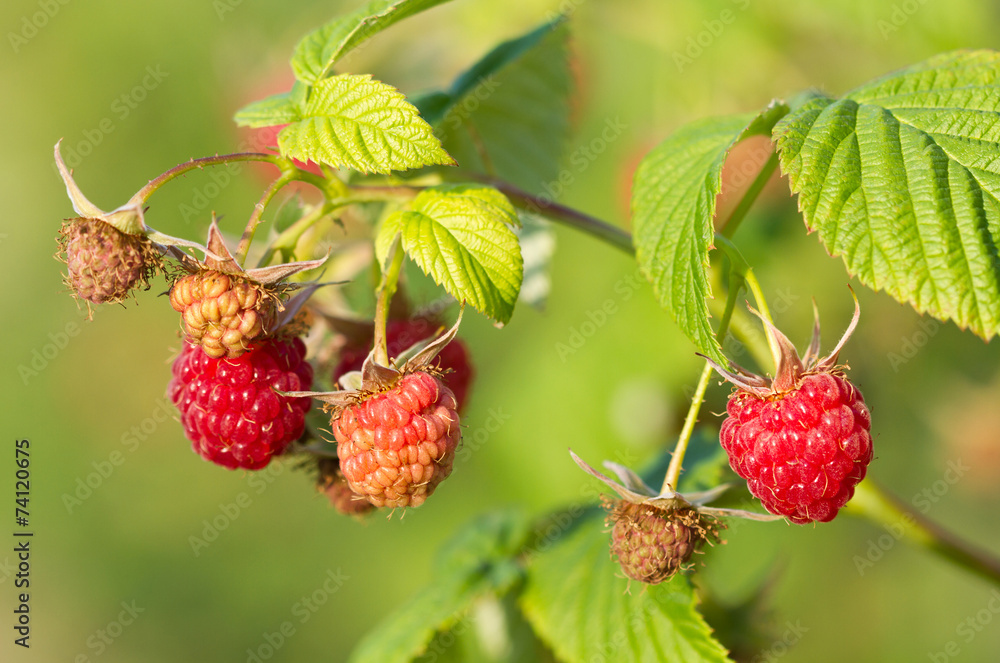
<point>790,368</point>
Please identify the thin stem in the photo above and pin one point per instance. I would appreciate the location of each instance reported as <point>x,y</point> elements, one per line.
<point>872,502</point>
<point>258,212</point>
<point>220,159</point>
<point>674,471</point>
<point>732,223</point>
<point>386,288</point>
<point>672,477</point>
<point>290,237</point>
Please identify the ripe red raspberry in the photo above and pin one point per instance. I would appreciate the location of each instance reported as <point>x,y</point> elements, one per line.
<point>104,263</point>
<point>401,334</point>
<point>396,446</point>
<point>803,451</point>
<point>652,544</point>
<point>802,441</point>
<point>229,407</point>
<point>222,313</point>
<point>332,483</point>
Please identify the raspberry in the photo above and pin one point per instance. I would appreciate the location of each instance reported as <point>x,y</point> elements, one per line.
<point>221,312</point>
<point>105,263</point>
<point>802,441</point>
<point>803,451</point>
<point>652,544</point>
<point>229,407</point>
<point>333,484</point>
<point>453,360</point>
<point>396,446</point>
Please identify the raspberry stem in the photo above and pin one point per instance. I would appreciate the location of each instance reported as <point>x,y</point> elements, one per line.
<point>258,211</point>
<point>285,165</point>
<point>672,477</point>
<point>386,289</point>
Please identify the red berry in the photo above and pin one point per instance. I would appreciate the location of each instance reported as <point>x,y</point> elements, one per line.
<point>229,407</point>
<point>802,452</point>
<point>802,440</point>
<point>400,335</point>
<point>396,446</point>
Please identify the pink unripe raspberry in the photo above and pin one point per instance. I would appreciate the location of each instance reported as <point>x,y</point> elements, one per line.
<point>396,446</point>
<point>230,408</point>
<point>400,334</point>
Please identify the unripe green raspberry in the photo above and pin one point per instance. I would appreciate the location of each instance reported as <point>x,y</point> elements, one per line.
<point>652,544</point>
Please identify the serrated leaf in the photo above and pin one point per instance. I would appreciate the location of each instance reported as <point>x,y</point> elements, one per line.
<point>538,243</point>
<point>319,50</point>
<point>578,603</point>
<point>276,109</point>
<point>462,237</point>
<point>514,105</point>
<point>360,123</point>
<point>673,202</point>
<point>901,178</point>
<point>485,552</point>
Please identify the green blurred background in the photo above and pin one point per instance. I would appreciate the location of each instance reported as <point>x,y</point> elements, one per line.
<point>95,394</point>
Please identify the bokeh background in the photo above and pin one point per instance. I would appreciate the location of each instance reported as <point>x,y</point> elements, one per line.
<point>95,392</point>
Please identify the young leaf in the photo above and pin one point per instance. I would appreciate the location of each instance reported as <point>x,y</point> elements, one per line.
<point>462,237</point>
<point>578,602</point>
<point>364,124</point>
<point>901,177</point>
<point>319,50</point>
<point>512,105</point>
<point>673,201</point>
<point>276,109</point>
<point>484,564</point>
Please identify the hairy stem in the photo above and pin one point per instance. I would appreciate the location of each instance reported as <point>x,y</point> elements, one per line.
<point>875,504</point>
<point>258,212</point>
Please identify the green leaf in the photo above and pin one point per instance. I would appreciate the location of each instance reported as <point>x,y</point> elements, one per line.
<point>462,237</point>
<point>673,202</point>
<point>364,124</point>
<point>513,105</point>
<point>485,565</point>
<point>319,50</point>
<point>901,177</point>
<point>705,462</point>
<point>276,109</point>
<point>578,602</point>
